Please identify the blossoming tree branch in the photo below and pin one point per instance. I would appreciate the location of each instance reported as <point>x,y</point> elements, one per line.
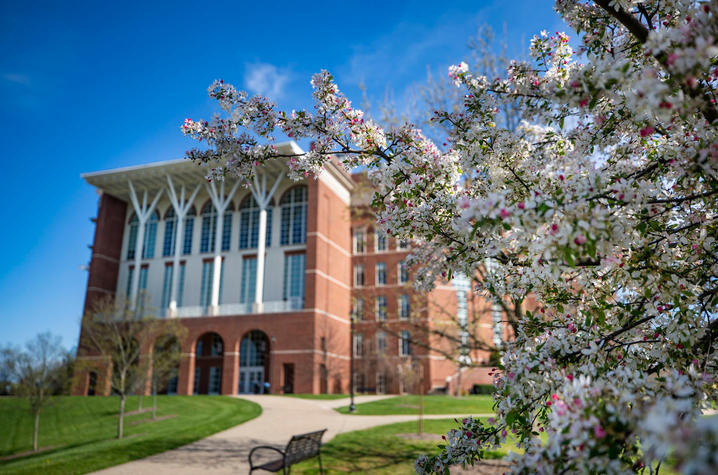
<point>601,204</point>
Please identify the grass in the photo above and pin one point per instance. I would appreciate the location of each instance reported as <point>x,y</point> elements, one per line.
<point>80,431</point>
<point>317,396</point>
<point>432,405</point>
<point>379,450</point>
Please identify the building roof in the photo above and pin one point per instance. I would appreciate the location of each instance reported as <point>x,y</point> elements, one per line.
<point>152,176</point>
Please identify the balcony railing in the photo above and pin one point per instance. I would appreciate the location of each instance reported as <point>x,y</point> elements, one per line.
<point>228,309</point>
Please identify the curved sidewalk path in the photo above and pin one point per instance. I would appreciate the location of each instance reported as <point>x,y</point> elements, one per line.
<point>282,417</point>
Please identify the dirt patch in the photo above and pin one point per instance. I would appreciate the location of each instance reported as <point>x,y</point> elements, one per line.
<point>424,436</point>
<point>139,411</point>
<point>142,421</point>
<point>27,452</point>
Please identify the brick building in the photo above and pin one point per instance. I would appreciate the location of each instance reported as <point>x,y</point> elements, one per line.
<point>188,249</point>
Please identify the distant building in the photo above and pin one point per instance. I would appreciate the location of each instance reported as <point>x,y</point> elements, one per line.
<point>188,249</point>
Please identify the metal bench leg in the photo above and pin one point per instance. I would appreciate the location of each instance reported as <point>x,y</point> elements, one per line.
<point>321,471</point>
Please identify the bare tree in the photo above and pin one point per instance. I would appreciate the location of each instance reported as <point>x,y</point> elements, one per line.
<point>34,373</point>
<point>166,356</point>
<point>120,337</point>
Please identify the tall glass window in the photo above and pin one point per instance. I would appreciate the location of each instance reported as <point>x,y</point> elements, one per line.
<point>294,277</point>
<point>205,296</point>
<point>404,307</point>
<point>148,246</point>
<point>359,241</point>
<point>379,241</point>
<point>403,272</point>
<point>180,285</point>
<point>358,345</point>
<point>249,280</point>
<point>405,343</point>
<point>358,275</point>
<point>380,273</point>
<point>293,227</point>
<point>209,228</point>
<point>142,290</point>
<point>167,286</point>
<point>188,231</point>
<point>130,274</point>
<point>249,224</point>
<point>381,308</point>
<point>168,246</point>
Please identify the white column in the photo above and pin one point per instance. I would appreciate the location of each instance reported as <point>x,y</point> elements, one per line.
<point>220,203</point>
<point>143,215</point>
<point>181,208</point>
<point>263,198</point>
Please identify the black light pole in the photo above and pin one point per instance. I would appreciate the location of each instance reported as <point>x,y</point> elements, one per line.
<point>351,363</point>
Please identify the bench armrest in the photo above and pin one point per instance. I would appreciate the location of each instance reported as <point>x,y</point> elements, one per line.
<point>264,447</point>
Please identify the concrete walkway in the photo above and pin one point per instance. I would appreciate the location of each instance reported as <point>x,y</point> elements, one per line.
<point>282,417</point>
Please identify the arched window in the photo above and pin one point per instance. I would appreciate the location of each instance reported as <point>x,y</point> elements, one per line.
<point>294,216</point>
<point>249,224</point>
<point>209,228</point>
<point>148,246</point>
<point>168,247</point>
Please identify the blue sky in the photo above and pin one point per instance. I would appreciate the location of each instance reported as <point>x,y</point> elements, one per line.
<point>86,86</point>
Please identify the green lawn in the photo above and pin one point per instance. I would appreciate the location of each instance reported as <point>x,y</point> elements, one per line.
<point>379,450</point>
<point>80,431</point>
<point>316,396</point>
<point>432,405</point>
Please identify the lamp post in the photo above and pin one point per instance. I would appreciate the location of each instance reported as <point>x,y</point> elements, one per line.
<point>351,362</point>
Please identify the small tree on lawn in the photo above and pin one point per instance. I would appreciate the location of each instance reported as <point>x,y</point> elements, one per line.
<point>166,356</point>
<point>120,334</point>
<point>34,374</point>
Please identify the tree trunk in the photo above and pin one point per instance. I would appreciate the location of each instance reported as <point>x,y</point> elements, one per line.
<point>458,383</point>
<point>121,419</point>
<point>35,431</point>
<point>154,400</point>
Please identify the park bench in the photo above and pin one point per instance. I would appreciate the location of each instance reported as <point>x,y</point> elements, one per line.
<point>300,447</point>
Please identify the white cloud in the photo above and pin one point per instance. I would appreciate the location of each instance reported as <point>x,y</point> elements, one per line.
<point>266,79</point>
<point>21,79</point>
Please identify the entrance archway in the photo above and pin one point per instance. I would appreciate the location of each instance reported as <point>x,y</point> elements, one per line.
<point>208,361</point>
<point>253,363</point>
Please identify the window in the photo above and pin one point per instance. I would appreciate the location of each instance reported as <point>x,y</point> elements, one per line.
<point>404,307</point>
<point>168,246</point>
<point>148,249</point>
<point>195,389</point>
<point>215,380</point>
<point>249,280</point>
<point>358,275</point>
<point>380,383</point>
<point>405,344</point>
<point>358,345</point>
<point>380,342</point>
<point>359,241</point>
<point>381,308</point>
<point>380,273</point>
<point>217,346</point>
<point>249,224</point>
<point>403,244</point>
<point>359,383</point>
<point>294,278</point>
<point>142,288</point>
<point>293,227</point>
<point>379,241</point>
<point>209,228</point>
<point>358,309</point>
<point>148,245</point>
<point>188,231</point>
<point>403,272</point>
<point>167,285</point>
<point>205,296</point>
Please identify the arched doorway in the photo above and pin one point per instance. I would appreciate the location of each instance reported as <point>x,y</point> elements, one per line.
<point>208,360</point>
<point>165,364</point>
<point>253,363</point>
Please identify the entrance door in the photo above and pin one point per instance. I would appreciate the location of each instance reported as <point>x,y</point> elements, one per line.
<point>288,378</point>
<point>251,380</point>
